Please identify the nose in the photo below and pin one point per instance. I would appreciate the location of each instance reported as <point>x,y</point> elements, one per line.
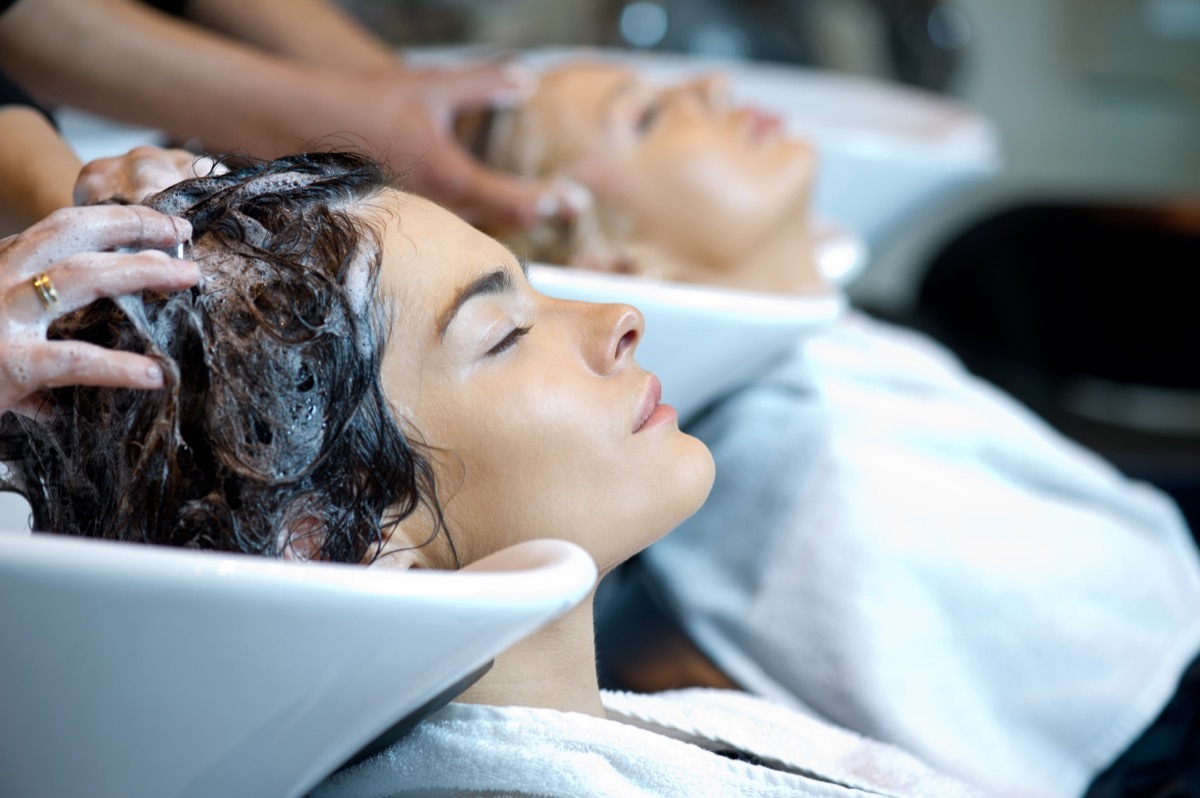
<point>712,90</point>
<point>618,330</point>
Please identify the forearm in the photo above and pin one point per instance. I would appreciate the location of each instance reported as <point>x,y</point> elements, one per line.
<point>313,31</point>
<point>37,168</point>
<point>129,62</point>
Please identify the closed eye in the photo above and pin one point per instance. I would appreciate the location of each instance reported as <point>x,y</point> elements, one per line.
<point>509,341</point>
<point>648,117</point>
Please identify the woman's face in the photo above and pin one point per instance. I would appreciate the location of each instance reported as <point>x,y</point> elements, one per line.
<point>689,172</point>
<point>537,418</point>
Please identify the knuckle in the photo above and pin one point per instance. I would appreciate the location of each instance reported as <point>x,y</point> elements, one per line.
<point>15,368</point>
<point>65,360</point>
<point>63,218</point>
<point>96,169</point>
<point>75,262</point>
<point>153,257</point>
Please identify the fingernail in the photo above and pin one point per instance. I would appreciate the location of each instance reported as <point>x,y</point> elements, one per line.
<point>505,98</point>
<point>547,205</point>
<point>576,196</point>
<point>154,374</point>
<point>183,228</point>
<point>522,81</point>
<point>567,198</point>
<point>203,166</point>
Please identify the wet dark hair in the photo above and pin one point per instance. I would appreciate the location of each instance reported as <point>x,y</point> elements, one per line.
<point>273,433</point>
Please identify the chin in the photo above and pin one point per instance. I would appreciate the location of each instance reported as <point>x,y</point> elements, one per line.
<point>706,473</point>
<point>693,481</point>
<point>692,473</point>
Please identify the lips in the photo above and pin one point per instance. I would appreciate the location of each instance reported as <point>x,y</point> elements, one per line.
<point>759,124</point>
<point>650,403</point>
<point>653,413</point>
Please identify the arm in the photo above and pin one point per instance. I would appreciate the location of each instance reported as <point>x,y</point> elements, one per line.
<point>130,62</point>
<point>37,168</point>
<point>314,31</point>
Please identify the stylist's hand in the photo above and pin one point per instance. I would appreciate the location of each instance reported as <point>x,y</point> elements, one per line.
<point>424,104</point>
<point>63,263</point>
<point>142,171</point>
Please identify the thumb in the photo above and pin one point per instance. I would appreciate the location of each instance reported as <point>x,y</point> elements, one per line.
<point>479,194</point>
<point>487,197</point>
<point>482,85</point>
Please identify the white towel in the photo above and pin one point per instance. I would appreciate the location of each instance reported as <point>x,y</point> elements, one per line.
<point>917,557</point>
<point>652,746</point>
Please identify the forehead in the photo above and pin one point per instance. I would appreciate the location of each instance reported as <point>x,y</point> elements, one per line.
<point>429,253</point>
<point>590,87</point>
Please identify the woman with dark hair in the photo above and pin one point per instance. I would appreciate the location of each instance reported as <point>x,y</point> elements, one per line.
<point>361,376</point>
<point>276,416</point>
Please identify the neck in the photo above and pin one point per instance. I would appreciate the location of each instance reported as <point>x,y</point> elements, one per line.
<point>784,264</point>
<point>554,668</point>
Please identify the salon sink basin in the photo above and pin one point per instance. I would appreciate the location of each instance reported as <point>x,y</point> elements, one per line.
<point>130,670</point>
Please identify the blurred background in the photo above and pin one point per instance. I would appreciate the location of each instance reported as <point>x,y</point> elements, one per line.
<point>1071,276</point>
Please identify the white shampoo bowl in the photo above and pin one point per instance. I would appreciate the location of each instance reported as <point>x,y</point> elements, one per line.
<point>129,670</point>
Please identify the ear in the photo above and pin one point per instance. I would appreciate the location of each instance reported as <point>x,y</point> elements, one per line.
<point>382,555</point>
<point>301,537</point>
<point>416,541</point>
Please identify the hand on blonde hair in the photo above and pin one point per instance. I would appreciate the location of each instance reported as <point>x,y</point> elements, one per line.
<point>426,103</point>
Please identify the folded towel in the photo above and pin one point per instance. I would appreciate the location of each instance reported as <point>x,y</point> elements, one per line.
<point>916,556</point>
<point>652,746</point>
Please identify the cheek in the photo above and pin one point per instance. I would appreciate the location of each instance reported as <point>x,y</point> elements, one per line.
<point>787,171</point>
<point>721,198</point>
<point>698,203</point>
<point>744,184</point>
<point>519,450</point>
<point>544,457</point>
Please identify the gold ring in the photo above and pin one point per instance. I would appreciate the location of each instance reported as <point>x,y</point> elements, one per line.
<point>46,292</point>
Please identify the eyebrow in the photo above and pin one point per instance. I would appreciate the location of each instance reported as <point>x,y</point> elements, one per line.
<point>613,96</point>
<point>494,282</point>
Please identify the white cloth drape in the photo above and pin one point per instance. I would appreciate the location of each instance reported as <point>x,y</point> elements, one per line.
<point>917,557</point>
<point>653,746</point>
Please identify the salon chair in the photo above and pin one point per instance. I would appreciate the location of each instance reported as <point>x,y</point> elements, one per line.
<point>130,670</point>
